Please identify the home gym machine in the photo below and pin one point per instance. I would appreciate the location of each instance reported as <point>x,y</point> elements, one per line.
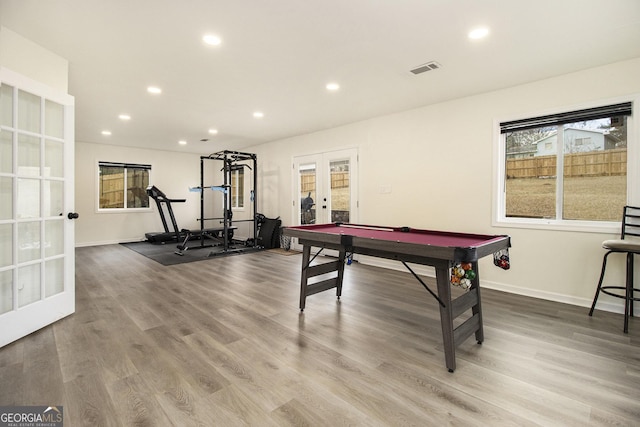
<point>177,235</point>
<point>164,204</point>
<point>231,161</point>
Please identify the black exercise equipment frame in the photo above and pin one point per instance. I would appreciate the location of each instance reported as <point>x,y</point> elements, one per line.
<point>230,159</point>
<point>160,198</point>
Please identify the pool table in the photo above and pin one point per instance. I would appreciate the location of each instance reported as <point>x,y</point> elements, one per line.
<point>439,249</point>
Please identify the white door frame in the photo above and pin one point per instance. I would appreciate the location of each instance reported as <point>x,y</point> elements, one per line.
<point>323,184</point>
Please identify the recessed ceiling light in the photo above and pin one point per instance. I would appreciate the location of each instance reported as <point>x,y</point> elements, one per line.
<point>332,86</point>
<point>106,132</point>
<point>124,117</point>
<point>211,39</point>
<point>258,114</point>
<point>182,142</point>
<point>478,33</point>
<point>213,131</point>
<point>154,89</point>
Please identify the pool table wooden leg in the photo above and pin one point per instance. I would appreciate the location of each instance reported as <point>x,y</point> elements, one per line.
<point>477,309</point>
<point>341,259</point>
<point>446,317</point>
<point>318,269</point>
<point>304,277</point>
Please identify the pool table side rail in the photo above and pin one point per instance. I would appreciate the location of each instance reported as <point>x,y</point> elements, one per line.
<point>448,253</point>
<point>344,227</point>
<point>392,249</point>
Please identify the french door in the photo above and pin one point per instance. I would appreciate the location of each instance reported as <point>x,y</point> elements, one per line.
<point>37,284</point>
<point>326,187</point>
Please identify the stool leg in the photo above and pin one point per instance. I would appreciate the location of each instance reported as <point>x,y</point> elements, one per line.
<point>595,298</point>
<point>628,300</point>
<point>630,286</point>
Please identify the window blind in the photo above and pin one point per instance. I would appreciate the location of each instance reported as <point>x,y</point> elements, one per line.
<point>124,165</point>
<point>616,110</point>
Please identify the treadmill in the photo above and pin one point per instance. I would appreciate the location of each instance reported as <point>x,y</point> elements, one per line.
<point>164,205</point>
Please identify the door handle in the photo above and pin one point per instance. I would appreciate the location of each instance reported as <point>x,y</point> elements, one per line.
<point>72,215</point>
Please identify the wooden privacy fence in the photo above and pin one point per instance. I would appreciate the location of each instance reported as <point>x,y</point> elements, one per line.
<point>308,181</point>
<point>594,163</point>
<point>112,190</point>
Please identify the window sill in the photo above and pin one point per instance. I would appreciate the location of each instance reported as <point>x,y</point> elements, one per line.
<point>123,210</point>
<point>556,225</point>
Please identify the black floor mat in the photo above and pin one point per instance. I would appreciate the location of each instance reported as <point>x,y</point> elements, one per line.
<point>165,254</point>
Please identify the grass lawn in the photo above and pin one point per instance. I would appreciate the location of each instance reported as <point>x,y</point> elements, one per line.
<point>585,198</point>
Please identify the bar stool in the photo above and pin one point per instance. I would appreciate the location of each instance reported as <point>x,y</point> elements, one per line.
<point>625,245</point>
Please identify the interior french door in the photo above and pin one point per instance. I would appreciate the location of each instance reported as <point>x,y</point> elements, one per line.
<point>326,187</point>
<point>37,284</point>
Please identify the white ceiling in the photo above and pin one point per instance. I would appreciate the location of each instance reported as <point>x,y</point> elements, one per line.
<point>278,55</point>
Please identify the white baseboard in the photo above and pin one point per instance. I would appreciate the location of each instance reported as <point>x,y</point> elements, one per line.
<point>110,242</point>
<point>423,270</point>
<point>603,304</point>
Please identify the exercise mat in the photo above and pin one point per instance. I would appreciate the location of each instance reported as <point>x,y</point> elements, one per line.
<point>165,254</point>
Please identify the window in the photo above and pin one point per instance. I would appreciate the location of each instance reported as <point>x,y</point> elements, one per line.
<point>237,187</point>
<point>123,185</point>
<point>578,171</point>
<point>581,142</point>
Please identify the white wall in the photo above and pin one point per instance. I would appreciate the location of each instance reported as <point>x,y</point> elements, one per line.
<point>438,162</point>
<point>29,59</point>
<point>171,172</point>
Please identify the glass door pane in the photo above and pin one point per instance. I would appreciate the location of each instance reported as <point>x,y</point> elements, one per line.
<point>6,105</point>
<point>340,191</point>
<point>53,277</point>
<point>28,112</point>
<point>6,151</point>
<point>28,241</point>
<point>28,198</point>
<point>28,284</point>
<point>28,155</point>
<point>6,291</point>
<point>53,159</point>
<point>308,193</point>
<point>6,245</point>
<point>54,119</point>
<point>53,198</point>
<point>53,237</point>
<point>6,197</point>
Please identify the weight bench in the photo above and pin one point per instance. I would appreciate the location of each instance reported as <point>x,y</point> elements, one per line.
<point>207,233</point>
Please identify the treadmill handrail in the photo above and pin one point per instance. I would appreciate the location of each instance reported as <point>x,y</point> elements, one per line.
<point>156,194</point>
<point>164,199</point>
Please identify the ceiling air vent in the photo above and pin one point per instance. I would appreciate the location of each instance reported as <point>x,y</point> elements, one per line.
<point>426,67</point>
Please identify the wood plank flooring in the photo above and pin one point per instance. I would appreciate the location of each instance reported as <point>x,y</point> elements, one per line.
<point>222,343</point>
